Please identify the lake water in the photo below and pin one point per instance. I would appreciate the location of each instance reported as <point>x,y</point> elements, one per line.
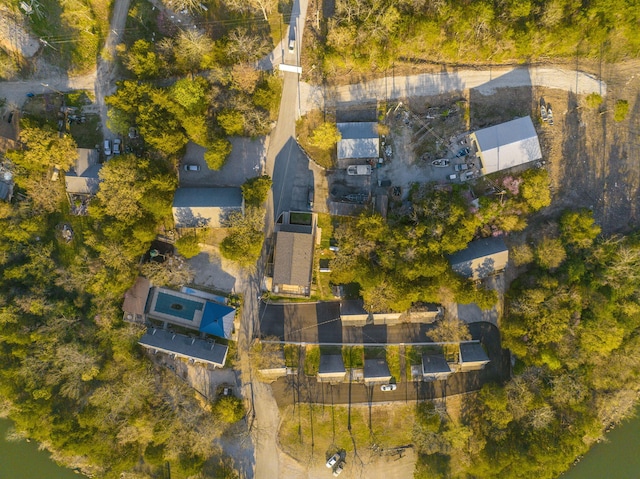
<point>23,460</point>
<point>618,458</point>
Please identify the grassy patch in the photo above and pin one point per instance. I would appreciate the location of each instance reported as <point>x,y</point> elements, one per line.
<point>291,355</point>
<point>277,28</point>
<point>87,134</point>
<point>390,426</point>
<point>304,129</point>
<point>393,361</point>
<point>312,360</point>
<point>353,356</point>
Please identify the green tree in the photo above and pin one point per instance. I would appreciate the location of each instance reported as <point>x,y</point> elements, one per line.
<point>188,246</point>
<point>232,122</point>
<point>45,149</point>
<point>217,154</point>
<point>550,253</point>
<point>173,271</point>
<point>255,190</point>
<point>243,243</point>
<point>535,189</point>
<point>578,228</point>
<point>142,60</point>
<point>325,136</point>
<point>594,100</point>
<point>191,94</point>
<point>229,409</point>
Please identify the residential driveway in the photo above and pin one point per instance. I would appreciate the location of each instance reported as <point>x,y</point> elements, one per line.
<point>319,323</point>
<point>246,161</point>
<point>485,82</point>
<point>287,389</point>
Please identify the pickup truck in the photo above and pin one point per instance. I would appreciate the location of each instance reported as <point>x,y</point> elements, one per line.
<point>359,170</point>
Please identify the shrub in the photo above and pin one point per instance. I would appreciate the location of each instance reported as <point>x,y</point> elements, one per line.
<point>229,409</point>
<point>325,136</point>
<point>522,254</point>
<point>594,100</point>
<point>188,246</point>
<point>255,190</point>
<point>550,253</point>
<point>621,111</point>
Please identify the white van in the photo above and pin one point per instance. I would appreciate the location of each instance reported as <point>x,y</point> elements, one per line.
<point>107,147</point>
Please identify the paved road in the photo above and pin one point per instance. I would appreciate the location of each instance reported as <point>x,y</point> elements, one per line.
<point>484,81</point>
<point>280,53</point>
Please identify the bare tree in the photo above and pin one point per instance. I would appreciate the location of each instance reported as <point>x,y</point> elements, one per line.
<point>245,47</point>
<point>250,6</point>
<point>174,271</point>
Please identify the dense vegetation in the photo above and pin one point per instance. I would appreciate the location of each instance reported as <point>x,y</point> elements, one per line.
<point>402,260</point>
<point>573,328</point>
<point>73,377</point>
<point>376,34</point>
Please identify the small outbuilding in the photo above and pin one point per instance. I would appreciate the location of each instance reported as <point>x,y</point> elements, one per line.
<point>507,145</point>
<point>376,371</point>
<point>435,367</point>
<point>331,368</point>
<point>205,207</point>
<point>481,258</point>
<point>359,140</point>
<point>473,357</point>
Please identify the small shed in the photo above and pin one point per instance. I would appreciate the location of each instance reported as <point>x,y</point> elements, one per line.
<point>359,140</point>
<point>331,368</point>
<point>473,357</point>
<point>376,371</point>
<point>435,367</point>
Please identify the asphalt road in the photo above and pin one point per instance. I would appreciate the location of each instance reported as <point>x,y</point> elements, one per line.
<point>300,388</point>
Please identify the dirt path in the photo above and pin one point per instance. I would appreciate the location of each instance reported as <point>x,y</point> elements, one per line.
<point>485,82</point>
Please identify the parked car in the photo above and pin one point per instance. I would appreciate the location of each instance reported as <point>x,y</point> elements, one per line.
<point>292,44</point>
<point>310,198</point>
<point>388,387</point>
<point>463,152</point>
<point>461,167</point>
<point>116,146</point>
<point>107,147</point>
<point>191,167</point>
<point>227,391</point>
<point>338,470</point>
<point>333,460</point>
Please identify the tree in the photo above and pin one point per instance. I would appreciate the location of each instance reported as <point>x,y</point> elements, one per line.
<point>325,136</point>
<point>449,329</point>
<point>248,6</point>
<point>243,46</point>
<point>191,94</point>
<point>46,149</point>
<point>191,49</point>
<point>232,122</point>
<point>594,100</point>
<point>521,254</point>
<point>142,60</point>
<point>243,243</point>
<point>535,189</point>
<point>245,77</point>
<point>188,246</point>
<point>173,271</point>
<point>578,228</point>
<point>550,253</point>
<point>217,154</point>
<point>255,190</point>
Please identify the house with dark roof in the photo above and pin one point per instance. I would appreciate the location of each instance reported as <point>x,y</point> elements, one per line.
<point>481,258</point>
<point>507,145</point>
<point>331,368</point>
<point>359,140</point>
<point>376,371</point>
<point>293,257</point>
<point>205,207</point>
<point>435,367</point>
<point>135,300</point>
<point>473,357</point>
<point>83,178</point>
<point>196,350</point>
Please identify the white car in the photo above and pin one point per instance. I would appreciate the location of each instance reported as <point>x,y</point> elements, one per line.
<point>338,470</point>
<point>107,147</point>
<point>333,459</point>
<point>388,387</point>
<point>116,146</point>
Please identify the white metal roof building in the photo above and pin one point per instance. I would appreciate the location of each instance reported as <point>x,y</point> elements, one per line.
<point>507,145</point>
<point>359,140</point>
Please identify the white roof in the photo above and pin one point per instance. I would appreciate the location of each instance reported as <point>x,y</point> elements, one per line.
<point>508,144</point>
<point>359,140</point>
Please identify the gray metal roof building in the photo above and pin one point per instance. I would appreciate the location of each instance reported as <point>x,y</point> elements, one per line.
<point>83,179</point>
<point>376,370</point>
<point>472,356</point>
<point>205,207</point>
<point>331,367</point>
<point>359,140</point>
<point>435,367</point>
<point>293,259</point>
<point>481,258</point>
<point>198,350</point>
<point>508,144</point>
